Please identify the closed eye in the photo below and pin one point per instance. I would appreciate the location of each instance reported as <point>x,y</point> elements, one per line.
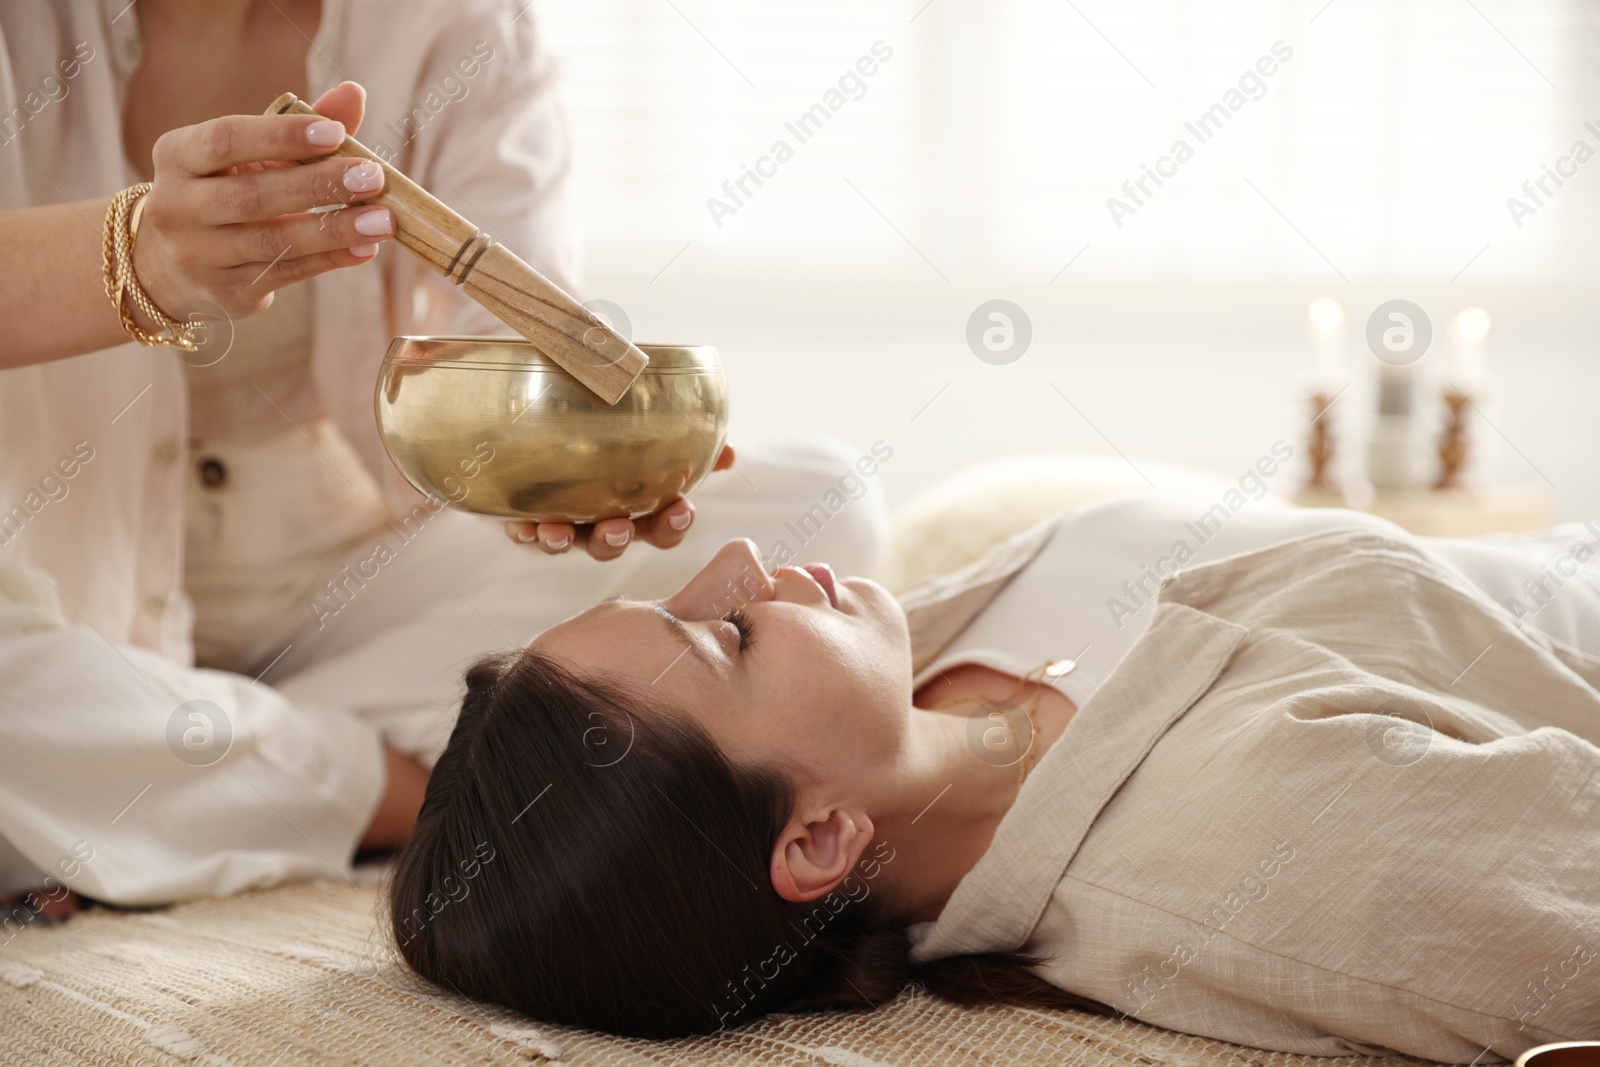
<point>741,622</point>
<point>681,632</point>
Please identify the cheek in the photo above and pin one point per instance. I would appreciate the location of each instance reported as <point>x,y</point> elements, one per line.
<point>841,693</point>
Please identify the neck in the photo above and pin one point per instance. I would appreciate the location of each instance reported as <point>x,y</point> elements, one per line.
<point>950,803</point>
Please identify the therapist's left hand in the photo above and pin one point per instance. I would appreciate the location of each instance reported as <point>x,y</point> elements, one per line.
<point>610,538</point>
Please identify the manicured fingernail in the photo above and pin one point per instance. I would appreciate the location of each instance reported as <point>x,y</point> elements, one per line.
<point>375,223</point>
<point>364,251</point>
<point>559,542</point>
<point>679,520</point>
<point>363,177</point>
<point>325,132</point>
<point>527,538</point>
<point>617,538</point>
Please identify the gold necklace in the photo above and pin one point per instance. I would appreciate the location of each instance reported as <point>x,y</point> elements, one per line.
<point>1051,669</point>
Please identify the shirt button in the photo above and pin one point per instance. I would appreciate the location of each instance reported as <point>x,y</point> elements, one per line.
<point>213,475</point>
<point>155,605</point>
<point>167,452</point>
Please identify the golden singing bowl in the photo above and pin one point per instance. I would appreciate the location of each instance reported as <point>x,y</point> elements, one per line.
<point>490,425</point>
<point>1562,1054</point>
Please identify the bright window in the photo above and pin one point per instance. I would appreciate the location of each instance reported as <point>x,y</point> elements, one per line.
<point>987,145</point>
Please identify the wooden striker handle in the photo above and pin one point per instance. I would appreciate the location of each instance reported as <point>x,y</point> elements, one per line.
<point>558,325</point>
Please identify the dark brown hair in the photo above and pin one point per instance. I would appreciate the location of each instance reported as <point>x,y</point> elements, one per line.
<point>591,863</point>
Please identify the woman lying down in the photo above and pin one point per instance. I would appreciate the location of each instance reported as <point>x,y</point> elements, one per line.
<point>1321,792</point>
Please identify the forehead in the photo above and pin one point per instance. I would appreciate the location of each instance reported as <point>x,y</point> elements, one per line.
<point>616,622</point>
<point>638,642</point>
<point>631,637</point>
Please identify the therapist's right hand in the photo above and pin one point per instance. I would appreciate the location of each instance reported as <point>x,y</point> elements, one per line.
<point>227,220</point>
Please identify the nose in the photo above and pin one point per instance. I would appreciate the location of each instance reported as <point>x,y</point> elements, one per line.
<point>734,577</point>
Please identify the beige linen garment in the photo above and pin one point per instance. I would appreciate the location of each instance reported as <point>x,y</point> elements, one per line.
<point>95,641</point>
<point>111,535</point>
<point>1333,800</point>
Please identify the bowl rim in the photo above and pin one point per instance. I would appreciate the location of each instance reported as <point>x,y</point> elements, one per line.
<point>705,358</point>
<point>1540,1050</point>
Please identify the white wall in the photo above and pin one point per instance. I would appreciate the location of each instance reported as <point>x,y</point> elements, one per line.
<point>1203,376</point>
<point>1377,165</point>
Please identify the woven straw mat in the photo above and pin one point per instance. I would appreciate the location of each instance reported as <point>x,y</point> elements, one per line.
<point>303,974</point>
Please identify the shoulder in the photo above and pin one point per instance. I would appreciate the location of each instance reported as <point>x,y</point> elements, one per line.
<point>482,61</point>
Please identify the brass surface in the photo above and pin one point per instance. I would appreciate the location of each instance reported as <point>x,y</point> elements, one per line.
<point>1562,1054</point>
<point>490,425</point>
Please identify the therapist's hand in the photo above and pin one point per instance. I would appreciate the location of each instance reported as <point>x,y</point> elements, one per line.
<point>610,538</point>
<point>227,219</point>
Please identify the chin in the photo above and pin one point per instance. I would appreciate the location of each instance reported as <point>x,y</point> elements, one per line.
<point>883,608</point>
<point>868,588</point>
<point>889,618</point>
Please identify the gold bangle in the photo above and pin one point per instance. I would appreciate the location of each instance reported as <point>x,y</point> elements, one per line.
<point>122,283</point>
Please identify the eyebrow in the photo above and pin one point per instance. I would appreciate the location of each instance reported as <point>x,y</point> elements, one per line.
<point>681,632</point>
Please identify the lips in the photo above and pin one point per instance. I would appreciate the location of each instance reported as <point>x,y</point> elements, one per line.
<point>823,574</point>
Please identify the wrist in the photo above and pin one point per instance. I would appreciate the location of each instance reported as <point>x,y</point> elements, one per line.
<point>149,269</point>
<point>123,285</point>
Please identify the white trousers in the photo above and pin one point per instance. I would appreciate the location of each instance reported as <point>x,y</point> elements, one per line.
<point>136,781</point>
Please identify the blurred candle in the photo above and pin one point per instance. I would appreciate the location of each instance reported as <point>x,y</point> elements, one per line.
<point>1325,324</point>
<point>1462,448</point>
<point>1469,359</point>
<point>1395,388</point>
<point>1391,439</point>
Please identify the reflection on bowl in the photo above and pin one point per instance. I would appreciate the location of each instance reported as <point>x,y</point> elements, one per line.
<point>490,425</point>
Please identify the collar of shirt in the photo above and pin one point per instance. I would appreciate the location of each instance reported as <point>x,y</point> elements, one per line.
<point>1000,900</point>
<point>1166,673</point>
<point>940,608</point>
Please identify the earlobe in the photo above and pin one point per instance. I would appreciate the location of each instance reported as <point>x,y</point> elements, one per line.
<point>812,857</point>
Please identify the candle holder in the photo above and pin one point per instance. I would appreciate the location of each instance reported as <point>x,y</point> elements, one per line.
<point>1455,442</point>
<point>1325,333</point>
<point>1466,382</point>
<point>1391,460</point>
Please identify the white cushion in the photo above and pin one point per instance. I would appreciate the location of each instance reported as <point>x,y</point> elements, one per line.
<point>961,517</point>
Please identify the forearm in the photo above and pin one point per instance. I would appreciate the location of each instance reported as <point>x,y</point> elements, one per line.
<point>52,292</point>
<point>225,211</point>
<point>405,784</point>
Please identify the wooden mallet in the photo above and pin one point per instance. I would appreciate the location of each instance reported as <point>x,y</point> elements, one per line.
<point>558,325</point>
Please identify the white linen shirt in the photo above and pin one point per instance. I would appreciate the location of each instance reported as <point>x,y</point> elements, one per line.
<point>1104,563</point>
<point>110,536</point>
<point>1333,800</point>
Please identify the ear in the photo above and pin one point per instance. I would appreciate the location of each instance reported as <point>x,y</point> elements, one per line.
<point>812,857</point>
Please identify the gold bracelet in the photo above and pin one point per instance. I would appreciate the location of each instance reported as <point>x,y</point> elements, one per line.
<point>122,284</point>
